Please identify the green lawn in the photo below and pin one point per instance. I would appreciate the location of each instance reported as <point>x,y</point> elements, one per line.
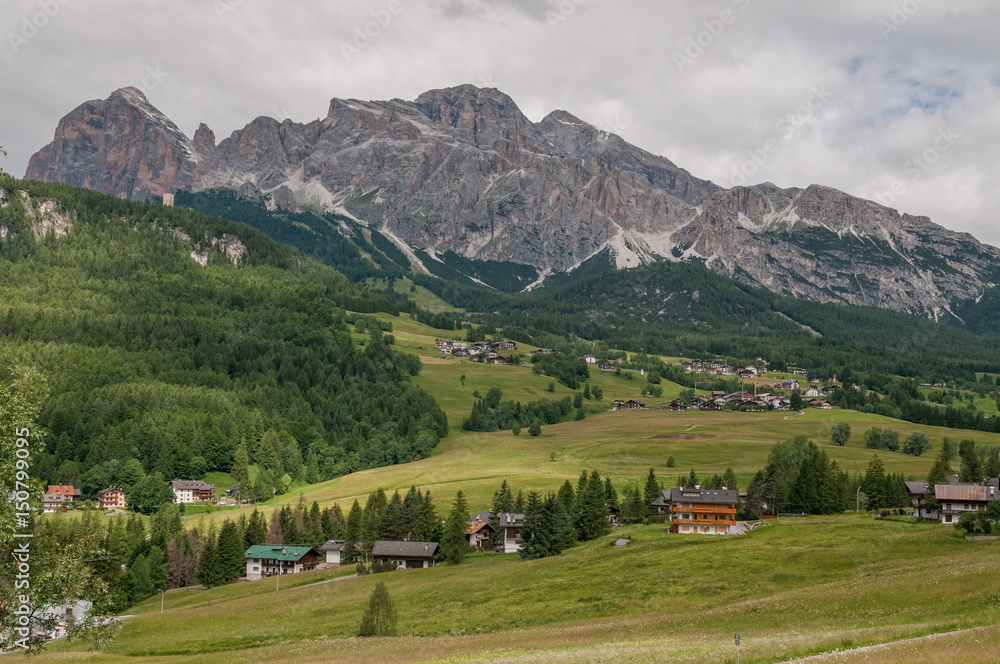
<point>793,588</point>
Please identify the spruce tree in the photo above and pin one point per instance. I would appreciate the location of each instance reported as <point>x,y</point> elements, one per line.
<point>610,494</point>
<point>275,534</point>
<point>692,480</point>
<point>157,565</point>
<point>352,533</point>
<point>269,453</point>
<point>241,469</point>
<point>312,468</point>
<point>593,518</point>
<point>971,468</point>
<point>337,523</point>
<point>256,530</point>
<point>230,550</point>
<point>428,526</point>
<point>454,546</point>
<point>379,618</point>
<point>874,484</point>
<point>210,572</point>
<point>938,475</point>
<point>531,537</point>
<point>651,491</point>
<point>729,480</point>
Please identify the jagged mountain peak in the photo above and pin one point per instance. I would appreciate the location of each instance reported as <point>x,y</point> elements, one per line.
<point>462,169</point>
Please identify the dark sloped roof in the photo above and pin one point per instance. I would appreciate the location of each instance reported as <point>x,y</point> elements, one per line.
<point>716,496</point>
<point>510,520</point>
<point>916,487</point>
<point>192,485</point>
<point>333,545</point>
<point>386,549</point>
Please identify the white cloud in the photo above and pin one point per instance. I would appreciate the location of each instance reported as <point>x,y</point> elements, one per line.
<point>610,62</point>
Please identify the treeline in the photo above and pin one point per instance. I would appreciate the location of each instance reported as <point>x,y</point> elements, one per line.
<point>154,357</point>
<point>491,413</point>
<point>902,400</point>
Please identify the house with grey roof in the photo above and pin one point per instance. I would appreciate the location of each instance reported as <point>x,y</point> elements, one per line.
<point>405,555</point>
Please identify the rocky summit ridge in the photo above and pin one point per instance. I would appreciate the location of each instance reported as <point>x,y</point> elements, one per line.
<point>462,169</point>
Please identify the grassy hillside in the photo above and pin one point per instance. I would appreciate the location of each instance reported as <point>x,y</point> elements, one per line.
<point>796,587</point>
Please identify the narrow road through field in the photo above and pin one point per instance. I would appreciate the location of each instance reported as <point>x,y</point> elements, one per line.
<point>834,656</point>
<point>319,583</point>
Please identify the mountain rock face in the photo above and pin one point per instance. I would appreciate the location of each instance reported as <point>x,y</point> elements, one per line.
<point>462,169</point>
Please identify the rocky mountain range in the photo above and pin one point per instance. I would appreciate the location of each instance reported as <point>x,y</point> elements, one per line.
<point>464,170</point>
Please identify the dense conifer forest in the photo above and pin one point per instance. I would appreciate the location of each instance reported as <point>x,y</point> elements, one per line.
<point>152,356</point>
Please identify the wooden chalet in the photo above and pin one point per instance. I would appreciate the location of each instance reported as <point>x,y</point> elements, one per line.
<point>631,404</point>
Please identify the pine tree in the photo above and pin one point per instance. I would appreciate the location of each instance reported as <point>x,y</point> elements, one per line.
<point>210,571</point>
<point>241,468</point>
<point>586,391</point>
<point>938,475</point>
<point>335,523</point>
<point>256,530</point>
<point>729,480</point>
<point>971,468</point>
<point>312,468</point>
<point>374,509</point>
<point>352,533</point>
<point>874,484</point>
<point>593,517</point>
<point>692,480</point>
<point>391,526</point>
<point>428,526</point>
<point>230,551</point>
<point>275,534</point>
<point>651,491</point>
<point>454,546</point>
<point>532,539</point>
<point>519,502</point>
<point>379,618</point>
<point>610,494</point>
<point>157,565</point>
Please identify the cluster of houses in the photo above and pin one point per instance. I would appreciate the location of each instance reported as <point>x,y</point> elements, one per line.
<point>744,400</point>
<point>58,496</point>
<point>694,511</point>
<point>485,351</point>
<point>722,368</point>
<point>604,365</point>
<point>954,499</point>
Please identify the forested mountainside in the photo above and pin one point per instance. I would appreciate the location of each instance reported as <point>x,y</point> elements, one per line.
<point>681,309</point>
<point>462,172</point>
<point>166,334</point>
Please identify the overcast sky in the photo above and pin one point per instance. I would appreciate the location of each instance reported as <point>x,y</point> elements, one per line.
<point>893,100</point>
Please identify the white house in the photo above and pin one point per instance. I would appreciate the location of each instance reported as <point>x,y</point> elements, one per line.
<point>334,548</point>
<point>958,499</point>
<point>192,491</point>
<point>511,524</point>
<point>269,559</point>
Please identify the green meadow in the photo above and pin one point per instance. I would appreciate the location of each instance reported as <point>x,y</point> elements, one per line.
<point>792,588</point>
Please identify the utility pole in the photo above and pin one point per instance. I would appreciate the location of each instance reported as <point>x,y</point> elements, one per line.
<point>161,601</point>
<point>857,503</point>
